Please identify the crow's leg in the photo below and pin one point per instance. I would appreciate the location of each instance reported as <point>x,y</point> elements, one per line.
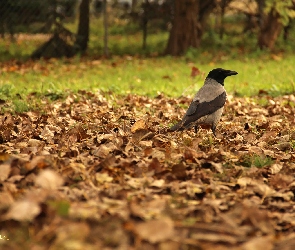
<point>196,128</point>
<point>213,128</point>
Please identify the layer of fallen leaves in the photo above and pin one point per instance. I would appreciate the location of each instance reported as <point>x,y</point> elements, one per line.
<point>92,173</point>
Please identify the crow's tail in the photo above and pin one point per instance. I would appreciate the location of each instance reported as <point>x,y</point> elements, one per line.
<point>176,127</point>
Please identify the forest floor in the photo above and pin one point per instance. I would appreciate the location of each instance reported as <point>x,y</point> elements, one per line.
<point>88,172</point>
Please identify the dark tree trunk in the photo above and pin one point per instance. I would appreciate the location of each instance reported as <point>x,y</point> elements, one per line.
<point>287,30</point>
<point>270,30</point>
<point>184,32</point>
<point>261,4</point>
<point>188,24</point>
<point>133,5</point>
<point>144,32</point>
<point>206,7</point>
<point>145,20</point>
<point>83,28</point>
<point>105,24</point>
<point>223,5</point>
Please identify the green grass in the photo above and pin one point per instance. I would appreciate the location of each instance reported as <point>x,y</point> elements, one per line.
<point>258,161</point>
<point>133,70</point>
<point>148,76</point>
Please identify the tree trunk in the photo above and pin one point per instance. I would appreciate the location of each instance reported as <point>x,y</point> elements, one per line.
<point>133,5</point>
<point>270,30</point>
<point>145,20</point>
<point>83,27</point>
<point>105,24</point>
<point>184,32</point>
<point>223,4</point>
<point>206,7</point>
<point>287,30</point>
<point>261,5</point>
<point>188,24</point>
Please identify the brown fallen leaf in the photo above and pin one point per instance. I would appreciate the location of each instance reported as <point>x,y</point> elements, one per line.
<point>155,231</point>
<point>4,171</point>
<point>49,179</point>
<point>155,166</point>
<point>215,237</point>
<point>71,235</point>
<point>232,192</point>
<point>275,168</point>
<point>140,124</point>
<point>48,133</point>
<point>283,146</point>
<point>4,156</point>
<point>36,143</point>
<point>286,243</point>
<point>24,210</point>
<point>141,134</point>
<point>6,200</point>
<point>148,210</point>
<point>195,71</point>
<point>103,178</point>
<point>179,171</point>
<point>39,162</point>
<point>257,243</point>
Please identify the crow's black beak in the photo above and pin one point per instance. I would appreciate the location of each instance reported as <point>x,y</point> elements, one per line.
<point>231,73</point>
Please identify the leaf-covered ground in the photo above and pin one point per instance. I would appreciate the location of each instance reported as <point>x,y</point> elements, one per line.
<point>91,173</point>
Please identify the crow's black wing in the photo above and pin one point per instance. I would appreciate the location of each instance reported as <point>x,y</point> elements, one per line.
<point>192,107</point>
<point>197,110</point>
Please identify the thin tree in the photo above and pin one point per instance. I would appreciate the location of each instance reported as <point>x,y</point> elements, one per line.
<point>222,4</point>
<point>188,24</point>
<point>105,24</point>
<point>83,27</point>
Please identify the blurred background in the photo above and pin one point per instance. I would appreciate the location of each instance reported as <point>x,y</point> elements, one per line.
<point>58,28</point>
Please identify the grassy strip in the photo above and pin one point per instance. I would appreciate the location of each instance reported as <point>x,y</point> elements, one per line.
<point>148,76</point>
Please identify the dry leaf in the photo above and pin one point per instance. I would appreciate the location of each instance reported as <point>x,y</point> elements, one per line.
<point>275,168</point>
<point>257,243</point>
<point>4,171</point>
<point>24,210</point>
<point>231,192</point>
<point>103,178</point>
<point>49,179</point>
<point>155,231</point>
<point>179,170</point>
<point>140,124</point>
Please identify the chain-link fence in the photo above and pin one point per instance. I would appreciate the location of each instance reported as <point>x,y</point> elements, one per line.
<point>27,15</point>
<point>35,20</point>
<point>30,16</point>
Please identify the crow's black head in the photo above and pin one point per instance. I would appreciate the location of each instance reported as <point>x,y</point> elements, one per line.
<point>220,74</point>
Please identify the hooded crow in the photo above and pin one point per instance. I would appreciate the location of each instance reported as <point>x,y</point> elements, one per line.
<point>207,105</point>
